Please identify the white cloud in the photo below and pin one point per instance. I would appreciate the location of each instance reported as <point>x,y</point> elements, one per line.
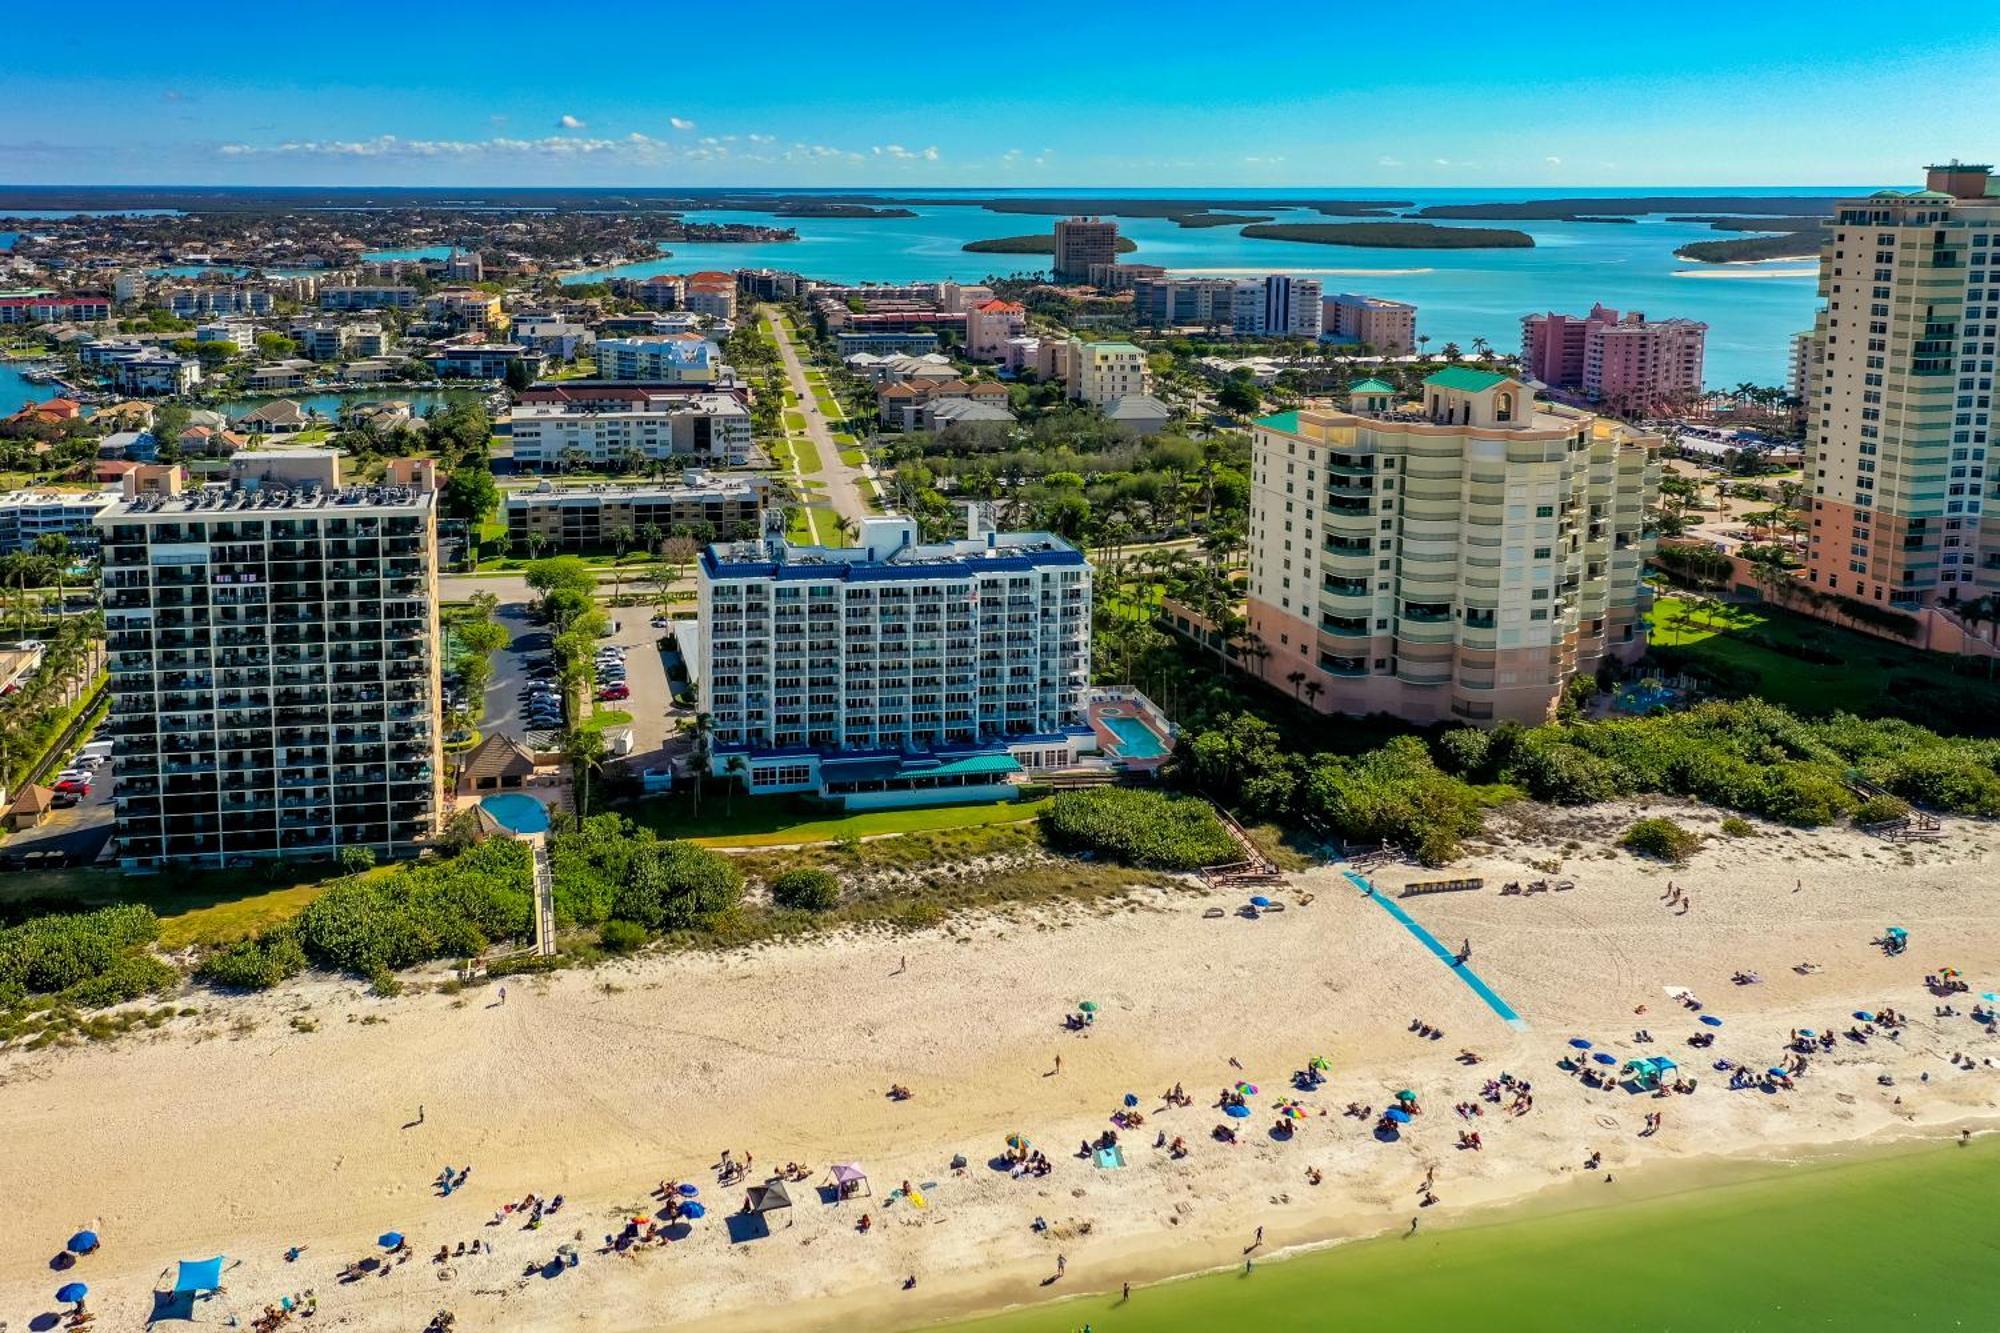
<point>680,123</point>
<point>1386,161</point>
<point>761,138</point>
<point>1264,161</point>
<point>1553,160</point>
<point>393,146</point>
<point>1441,161</point>
<point>568,122</point>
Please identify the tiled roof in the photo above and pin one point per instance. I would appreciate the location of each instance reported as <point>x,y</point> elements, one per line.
<point>1467,380</point>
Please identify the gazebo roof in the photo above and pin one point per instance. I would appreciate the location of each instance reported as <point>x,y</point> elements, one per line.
<point>34,800</point>
<point>499,756</point>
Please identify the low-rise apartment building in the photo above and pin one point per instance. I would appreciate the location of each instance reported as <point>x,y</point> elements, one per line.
<point>852,343</point>
<point>895,671</point>
<point>274,678</point>
<point>151,373</point>
<point>1100,372</point>
<point>705,427</point>
<point>704,505</point>
<point>482,361</point>
<point>1386,327</point>
<point>368,298</point>
<point>1464,557</point>
<point>27,516</point>
<point>673,359</point>
<point>990,324</point>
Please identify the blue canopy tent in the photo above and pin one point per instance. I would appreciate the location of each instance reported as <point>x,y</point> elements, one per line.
<point>199,1275</point>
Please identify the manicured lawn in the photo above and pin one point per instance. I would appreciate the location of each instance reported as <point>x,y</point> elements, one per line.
<point>842,438</point>
<point>1869,668</point>
<point>602,718</point>
<point>771,821</point>
<point>808,454</point>
<point>853,457</point>
<point>207,907</point>
<point>795,421</point>
<point>829,408</point>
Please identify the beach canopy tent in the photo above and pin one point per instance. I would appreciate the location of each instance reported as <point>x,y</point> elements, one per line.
<point>769,1197</point>
<point>199,1275</point>
<point>1649,1071</point>
<point>850,1179</point>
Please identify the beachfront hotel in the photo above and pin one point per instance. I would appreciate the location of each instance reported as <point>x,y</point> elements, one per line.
<point>1900,393</point>
<point>1081,243</point>
<point>274,678</point>
<point>895,671</point>
<point>1461,557</point>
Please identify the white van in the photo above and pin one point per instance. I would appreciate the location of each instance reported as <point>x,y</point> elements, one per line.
<point>100,750</point>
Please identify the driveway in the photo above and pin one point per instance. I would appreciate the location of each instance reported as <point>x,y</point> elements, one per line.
<point>843,486</point>
<point>71,837</point>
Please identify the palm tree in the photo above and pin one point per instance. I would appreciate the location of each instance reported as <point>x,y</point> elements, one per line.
<point>1296,679</point>
<point>704,731</point>
<point>736,766</point>
<point>1481,348</point>
<point>1451,352</point>
<point>1313,689</point>
<point>584,749</point>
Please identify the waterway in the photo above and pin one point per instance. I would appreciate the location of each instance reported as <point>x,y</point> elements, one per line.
<point>1751,309</point>
<point>329,405</point>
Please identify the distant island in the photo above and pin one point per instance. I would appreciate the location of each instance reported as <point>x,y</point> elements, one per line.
<point>1633,221</point>
<point>1791,245</point>
<point>1393,235</point>
<point>1755,224</point>
<point>1040,243</point>
<point>839,211</point>
<point>1575,210</point>
<point>1220,219</point>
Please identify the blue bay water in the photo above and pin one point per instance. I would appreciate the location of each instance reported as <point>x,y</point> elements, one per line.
<point>1751,310</point>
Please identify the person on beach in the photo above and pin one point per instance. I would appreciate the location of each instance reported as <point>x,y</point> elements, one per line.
<point>1260,1239</point>
<point>1062,1265</point>
<point>503,995</point>
<point>1058,1062</point>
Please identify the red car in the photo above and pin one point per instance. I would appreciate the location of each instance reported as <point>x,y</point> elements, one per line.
<point>615,692</point>
<point>73,785</point>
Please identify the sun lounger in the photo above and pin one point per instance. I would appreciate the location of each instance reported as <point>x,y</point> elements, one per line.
<point>1214,914</point>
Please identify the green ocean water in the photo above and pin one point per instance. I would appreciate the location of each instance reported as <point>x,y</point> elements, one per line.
<point>1903,1240</point>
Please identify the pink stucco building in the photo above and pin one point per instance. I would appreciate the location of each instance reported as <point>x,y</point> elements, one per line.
<point>1626,362</point>
<point>989,326</point>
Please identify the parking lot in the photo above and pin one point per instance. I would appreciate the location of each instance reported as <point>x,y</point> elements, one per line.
<point>72,836</point>
<point>646,677</point>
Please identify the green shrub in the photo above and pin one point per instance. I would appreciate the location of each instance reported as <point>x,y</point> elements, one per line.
<point>128,978</point>
<point>1463,750</point>
<point>812,889</point>
<point>1140,828</point>
<point>1394,794</point>
<point>517,964</point>
<point>452,908</point>
<point>385,983</point>
<point>1948,778</point>
<point>1661,839</point>
<point>1735,827</point>
<point>255,964</point>
<point>1565,774</point>
<point>1881,810</point>
<point>53,953</point>
<point>354,860</point>
<point>677,886</point>
<point>621,936</point>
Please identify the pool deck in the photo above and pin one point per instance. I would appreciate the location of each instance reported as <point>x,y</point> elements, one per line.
<point>1113,744</point>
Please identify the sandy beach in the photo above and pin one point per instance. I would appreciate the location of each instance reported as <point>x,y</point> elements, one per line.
<point>318,1116</point>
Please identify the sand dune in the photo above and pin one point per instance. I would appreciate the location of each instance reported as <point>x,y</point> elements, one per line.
<point>282,1120</point>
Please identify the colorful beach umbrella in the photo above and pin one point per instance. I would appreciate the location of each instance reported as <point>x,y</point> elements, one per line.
<point>1711,1020</point>
<point>72,1293</point>
<point>83,1242</point>
<point>1017,1141</point>
<point>1247,1089</point>
<point>1260,901</point>
<point>1321,1063</point>
<point>1407,1095</point>
<point>389,1240</point>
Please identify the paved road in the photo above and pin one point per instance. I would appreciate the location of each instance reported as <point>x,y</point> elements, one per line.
<point>841,485</point>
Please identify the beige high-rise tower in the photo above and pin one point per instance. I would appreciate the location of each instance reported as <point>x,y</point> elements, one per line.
<point>1900,393</point>
<point>1464,557</point>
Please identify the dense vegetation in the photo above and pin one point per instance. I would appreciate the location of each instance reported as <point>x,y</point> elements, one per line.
<point>1139,828</point>
<point>1790,245</point>
<point>451,908</point>
<point>1039,243</point>
<point>1660,838</point>
<point>87,959</point>
<point>808,887</point>
<point>1393,235</point>
<point>607,868</point>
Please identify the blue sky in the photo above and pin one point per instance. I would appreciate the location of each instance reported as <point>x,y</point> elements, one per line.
<point>1023,94</point>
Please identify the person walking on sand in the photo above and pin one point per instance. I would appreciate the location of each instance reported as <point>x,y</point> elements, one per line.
<point>1062,1264</point>
<point>503,995</point>
<point>1128,1292</point>
<point>1059,1062</point>
<point>1258,1243</point>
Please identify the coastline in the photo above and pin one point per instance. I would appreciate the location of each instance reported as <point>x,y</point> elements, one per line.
<point>292,1118</point>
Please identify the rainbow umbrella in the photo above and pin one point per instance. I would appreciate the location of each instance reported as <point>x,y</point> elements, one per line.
<point>1247,1089</point>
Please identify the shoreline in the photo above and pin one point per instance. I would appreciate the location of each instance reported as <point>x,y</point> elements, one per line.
<point>292,1117</point>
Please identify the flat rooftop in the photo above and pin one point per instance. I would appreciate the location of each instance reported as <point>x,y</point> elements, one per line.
<point>223,501</point>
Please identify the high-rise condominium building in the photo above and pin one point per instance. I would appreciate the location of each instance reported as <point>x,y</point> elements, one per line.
<point>1081,242</point>
<point>1899,413</point>
<point>1464,557</point>
<point>1626,362</point>
<point>878,672</point>
<point>1277,306</point>
<point>274,676</point>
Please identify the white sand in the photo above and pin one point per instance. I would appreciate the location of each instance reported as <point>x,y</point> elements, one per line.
<point>233,1132</point>
<point>1742,269</point>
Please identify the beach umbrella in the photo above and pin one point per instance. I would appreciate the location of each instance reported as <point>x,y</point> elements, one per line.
<point>1991,997</point>
<point>1320,1062</point>
<point>692,1210</point>
<point>690,1191</point>
<point>1131,1099</point>
<point>389,1240</point>
<point>1236,1112</point>
<point>1088,1006</point>
<point>1864,1015</point>
<point>1295,1112</point>
<point>1397,1114</point>
<point>1605,1058</point>
<point>1807,1032</point>
<point>1711,1020</point>
<point>1776,1072</point>
<point>1260,901</point>
<point>1247,1089</point>
<point>1581,1043</point>
<point>1407,1095</point>
<point>72,1293</point>
<point>83,1242</point>
<point>1017,1141</point>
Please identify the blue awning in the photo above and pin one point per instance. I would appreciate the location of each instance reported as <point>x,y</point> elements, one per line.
<point>199,1275</point>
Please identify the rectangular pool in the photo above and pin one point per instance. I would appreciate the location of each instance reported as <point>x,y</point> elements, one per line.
<point>1136,740</point>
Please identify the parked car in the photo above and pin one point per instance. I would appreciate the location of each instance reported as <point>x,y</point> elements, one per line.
<point>618,691</point>
<point>80,786</point>
<point>63,800</point>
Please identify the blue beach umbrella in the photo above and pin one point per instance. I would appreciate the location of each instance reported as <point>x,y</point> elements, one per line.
<point>1776,1072</point>
<point>1711,1020</point>
<point>72,1293</point>
<point>690,1191</point>
<point>389,1240</point>
<point>693,1210</point>
<point>1260,901</point>
<point>1131,1099</point>
<point>83,1242</point>
<point>1864,1015</point>
<point>1581,1043</point>
<point>1397,1114</point>
<point>1237,1112</point>
<point>1605,1058</point>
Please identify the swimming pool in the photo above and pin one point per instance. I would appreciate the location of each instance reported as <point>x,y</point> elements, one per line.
<point>522,814</point>
<point>1136,740</point>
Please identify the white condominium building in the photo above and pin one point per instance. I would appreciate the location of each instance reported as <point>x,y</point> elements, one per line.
<point>707,427</point>
<point>1102,372</point>
<point>886,671</point>
<point>1277,306</point>
<point>667,360</point>
<point>1461,557</point>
